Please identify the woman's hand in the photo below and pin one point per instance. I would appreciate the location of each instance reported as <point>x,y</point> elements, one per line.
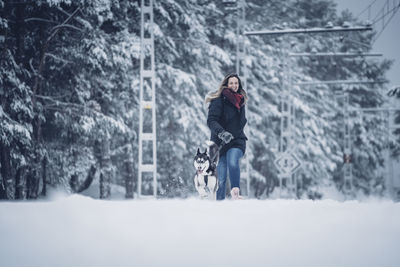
<point>225,136</point>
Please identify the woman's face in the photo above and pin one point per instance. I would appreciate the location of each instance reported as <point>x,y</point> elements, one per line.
<point>233,83</point>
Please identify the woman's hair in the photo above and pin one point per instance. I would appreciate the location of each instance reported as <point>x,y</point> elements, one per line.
<point>224,84</point>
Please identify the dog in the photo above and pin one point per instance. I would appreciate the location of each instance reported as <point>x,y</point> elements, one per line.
<point>205,180</point>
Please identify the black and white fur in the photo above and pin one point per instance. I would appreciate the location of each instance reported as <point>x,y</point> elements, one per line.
<point>205,180</point>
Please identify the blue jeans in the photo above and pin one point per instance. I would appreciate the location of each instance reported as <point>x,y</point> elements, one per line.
<point>230,160</point>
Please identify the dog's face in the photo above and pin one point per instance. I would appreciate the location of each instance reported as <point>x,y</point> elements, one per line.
<point>201,162</point>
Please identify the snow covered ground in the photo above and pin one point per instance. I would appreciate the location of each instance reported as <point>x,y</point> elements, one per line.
<point>81,231</point>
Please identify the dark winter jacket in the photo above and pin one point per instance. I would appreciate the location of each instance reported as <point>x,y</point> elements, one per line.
<point>223,115</point>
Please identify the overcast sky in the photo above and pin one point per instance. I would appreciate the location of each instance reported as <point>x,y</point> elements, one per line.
<point>389,41</point>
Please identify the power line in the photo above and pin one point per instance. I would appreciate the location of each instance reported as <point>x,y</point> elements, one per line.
<point>382,11</point>
<point>389,8</point>
<point>382,17</point>
<point>367,8</point>
<point>393,11</point>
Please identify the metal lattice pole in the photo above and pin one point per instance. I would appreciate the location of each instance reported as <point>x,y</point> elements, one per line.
<point>147,101</point>
<point>286,123</point>
<point>240,47</point>
<point>388,163</point>
<point>241,70</point>
<point>287,161</point>
<point>347,142</point>
<point>390,127</point>
<point>347,167</point>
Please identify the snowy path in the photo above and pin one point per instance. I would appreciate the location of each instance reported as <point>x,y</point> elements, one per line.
<point>80,231</point>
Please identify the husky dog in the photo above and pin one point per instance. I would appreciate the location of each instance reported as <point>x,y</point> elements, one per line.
<point>205,180</point>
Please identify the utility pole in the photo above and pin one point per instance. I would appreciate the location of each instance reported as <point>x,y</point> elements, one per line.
<point>390,127</point>
<point>147,104</point>
<point>286,161</point>
<point>347,138</point>
<point>241,70</point>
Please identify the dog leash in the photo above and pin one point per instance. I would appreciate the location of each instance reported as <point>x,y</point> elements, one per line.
<point>219,149</point>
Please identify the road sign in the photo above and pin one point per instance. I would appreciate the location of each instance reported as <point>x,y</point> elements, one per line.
<point>287,163</point>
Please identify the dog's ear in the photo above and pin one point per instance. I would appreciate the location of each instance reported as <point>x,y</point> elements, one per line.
<point>205,152</point>
<point>198,151</point>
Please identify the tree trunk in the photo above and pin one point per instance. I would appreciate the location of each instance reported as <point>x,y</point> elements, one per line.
<point>6,186</point>
<point>19,183</point>
<point>44,177</point>
<point>74,183</point>
<point>89,179</point>
<point>32,183</point>
<point>129,172</point>
<point>3,194</point>
<point>105,168</point>
<point>34,176</point>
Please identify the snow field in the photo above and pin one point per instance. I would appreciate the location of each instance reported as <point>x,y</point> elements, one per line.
<point>81,231</point>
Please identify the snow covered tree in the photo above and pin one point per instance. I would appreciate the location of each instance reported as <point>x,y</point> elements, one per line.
<point>74,87</point>
<point>16,110</point>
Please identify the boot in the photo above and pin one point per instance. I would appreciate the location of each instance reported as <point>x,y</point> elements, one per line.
<point>235,193</point>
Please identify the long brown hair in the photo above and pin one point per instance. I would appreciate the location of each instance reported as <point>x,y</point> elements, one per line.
<point>223,85</point>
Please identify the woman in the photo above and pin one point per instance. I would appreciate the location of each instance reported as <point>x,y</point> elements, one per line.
<point>226,120</point>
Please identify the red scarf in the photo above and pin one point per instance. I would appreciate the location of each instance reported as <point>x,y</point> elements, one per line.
<point>235,98</point>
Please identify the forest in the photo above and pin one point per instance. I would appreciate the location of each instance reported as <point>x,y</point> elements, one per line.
<point>69,93</point>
